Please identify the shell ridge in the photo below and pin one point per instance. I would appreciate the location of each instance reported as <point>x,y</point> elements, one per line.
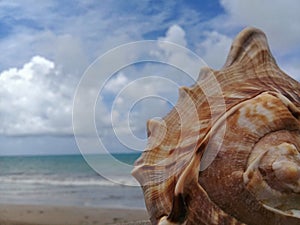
<point>290,105</point>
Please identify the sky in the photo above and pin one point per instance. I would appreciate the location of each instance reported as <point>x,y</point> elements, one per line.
<point>49,47</point>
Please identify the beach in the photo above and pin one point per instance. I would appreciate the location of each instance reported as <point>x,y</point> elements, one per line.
<point>69,215</point>
<point>65,190</point>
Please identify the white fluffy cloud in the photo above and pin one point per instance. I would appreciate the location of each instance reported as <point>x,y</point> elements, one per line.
<point>33,101</point>
<point>176,35</point>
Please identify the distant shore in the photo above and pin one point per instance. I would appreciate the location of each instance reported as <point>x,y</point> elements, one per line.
<point>69,215</point>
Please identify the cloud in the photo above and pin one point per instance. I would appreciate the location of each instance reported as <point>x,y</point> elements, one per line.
<point>33,101</point>
<point>279,19</point>
<point>176,35</point>
<point>115,84</point>
<point>144,90</point>
<point>214,48</point>
<point>46,48</point>
<point>82,30</point>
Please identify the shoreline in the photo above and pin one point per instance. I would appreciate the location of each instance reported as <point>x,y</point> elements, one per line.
<point>26,214</point>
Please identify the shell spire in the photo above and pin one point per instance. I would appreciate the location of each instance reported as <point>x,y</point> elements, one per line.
<point>250,46</point>
<point>229,151</point>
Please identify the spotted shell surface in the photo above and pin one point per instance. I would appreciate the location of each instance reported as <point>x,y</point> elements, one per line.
<point>229,151</point>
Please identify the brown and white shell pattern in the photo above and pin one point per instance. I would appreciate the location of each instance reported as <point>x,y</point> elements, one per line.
<point>237,161</point>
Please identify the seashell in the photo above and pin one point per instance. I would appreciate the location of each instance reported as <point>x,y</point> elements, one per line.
<point>227,155</point>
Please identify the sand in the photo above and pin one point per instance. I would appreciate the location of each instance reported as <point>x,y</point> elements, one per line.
<point>63,215</point>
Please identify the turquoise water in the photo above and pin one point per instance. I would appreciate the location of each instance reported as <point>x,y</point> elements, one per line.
<point>69,180</point>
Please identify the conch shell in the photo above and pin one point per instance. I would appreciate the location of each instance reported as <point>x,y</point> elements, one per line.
<point>228,152</point>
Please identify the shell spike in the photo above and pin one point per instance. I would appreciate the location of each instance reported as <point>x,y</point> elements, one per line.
<point>250,46</point>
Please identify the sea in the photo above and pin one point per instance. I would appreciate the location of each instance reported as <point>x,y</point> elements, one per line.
<point>68,180</point>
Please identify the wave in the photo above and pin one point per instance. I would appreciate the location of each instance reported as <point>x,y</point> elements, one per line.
<point>115,181</point>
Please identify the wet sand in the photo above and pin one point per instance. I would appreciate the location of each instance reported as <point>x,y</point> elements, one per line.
<point>65,215</point>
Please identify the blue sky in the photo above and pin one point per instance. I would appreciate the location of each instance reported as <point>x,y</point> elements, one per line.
<point>46,47</point>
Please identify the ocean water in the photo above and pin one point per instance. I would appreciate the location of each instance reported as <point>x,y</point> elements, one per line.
<point>69,180</point>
